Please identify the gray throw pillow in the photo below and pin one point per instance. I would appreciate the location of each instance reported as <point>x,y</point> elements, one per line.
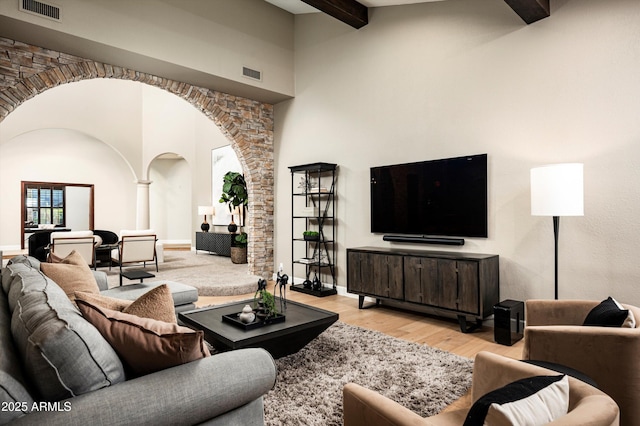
<point>14,397</point>
<point>63,355</point>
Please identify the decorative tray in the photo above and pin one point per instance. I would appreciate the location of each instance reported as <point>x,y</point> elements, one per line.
<point>257,323</point>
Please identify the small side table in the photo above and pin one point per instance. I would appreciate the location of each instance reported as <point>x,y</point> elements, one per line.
<point>103,254</point>
<point>508,321</point>
<point>137,274</point>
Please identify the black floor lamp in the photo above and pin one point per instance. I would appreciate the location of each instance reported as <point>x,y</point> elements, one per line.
<point>557,190</point>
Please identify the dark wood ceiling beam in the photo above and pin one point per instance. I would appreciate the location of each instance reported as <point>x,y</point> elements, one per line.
<point>348,11</point>
<point>530,10</point>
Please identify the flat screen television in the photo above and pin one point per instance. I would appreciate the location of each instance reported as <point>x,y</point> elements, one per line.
<point>446,197</point>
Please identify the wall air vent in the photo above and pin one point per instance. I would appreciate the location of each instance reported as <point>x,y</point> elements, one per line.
<point>252,74</point>
<point>45,10</point>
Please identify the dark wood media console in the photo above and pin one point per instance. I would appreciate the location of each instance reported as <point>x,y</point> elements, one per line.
<point>451,284</point>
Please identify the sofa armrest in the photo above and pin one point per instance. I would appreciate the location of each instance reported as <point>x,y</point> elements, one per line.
<point>101,279</point>
<point>364,407</point>
<point>591,410</point>
<point>190,393</point>
<point>557,312</point>
<point>491,371</point>
<point>599,345</point>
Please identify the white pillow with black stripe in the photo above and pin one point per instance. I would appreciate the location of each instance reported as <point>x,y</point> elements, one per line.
<point>531,401</point>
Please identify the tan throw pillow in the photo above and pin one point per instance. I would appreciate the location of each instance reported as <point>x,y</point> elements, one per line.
<point>72,274</point>
<point>53,258</point>
<point>156,304</point>
<point>103,301</point>
<point>145,345</point>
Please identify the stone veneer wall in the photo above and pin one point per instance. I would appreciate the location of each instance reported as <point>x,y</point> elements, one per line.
<point>27,70</point>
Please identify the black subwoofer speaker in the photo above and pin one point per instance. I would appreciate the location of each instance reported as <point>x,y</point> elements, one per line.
<point>508,322</point>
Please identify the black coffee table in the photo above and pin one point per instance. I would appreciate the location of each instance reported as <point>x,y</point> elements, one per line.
<point>303,323</point>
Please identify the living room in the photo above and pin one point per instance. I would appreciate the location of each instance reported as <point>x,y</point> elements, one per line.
<point>420,82</point>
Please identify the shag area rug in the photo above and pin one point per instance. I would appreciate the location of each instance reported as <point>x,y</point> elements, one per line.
<point>308,389</point>
<point>212,275</point>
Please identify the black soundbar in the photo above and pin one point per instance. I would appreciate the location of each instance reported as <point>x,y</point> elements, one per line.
<point>424,239</point>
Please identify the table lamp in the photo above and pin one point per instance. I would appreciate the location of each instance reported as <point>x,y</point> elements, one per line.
<point>205,210</point>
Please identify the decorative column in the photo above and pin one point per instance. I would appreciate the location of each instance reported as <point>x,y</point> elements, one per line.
<point>142,206</point>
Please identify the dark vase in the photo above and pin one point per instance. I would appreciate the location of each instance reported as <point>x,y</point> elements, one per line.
<point>205,227</point>
<point>232,227</point>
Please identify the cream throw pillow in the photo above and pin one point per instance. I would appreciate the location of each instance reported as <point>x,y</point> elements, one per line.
<point>532,401</point>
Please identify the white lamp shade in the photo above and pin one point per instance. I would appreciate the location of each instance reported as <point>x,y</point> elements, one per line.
<point>557,190</point>
<point>203,210</point>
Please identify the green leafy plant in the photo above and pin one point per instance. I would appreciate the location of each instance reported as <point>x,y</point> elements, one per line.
<point>234,191</point>
<point>311,235</point>
<point>266,299</point>
<point>241,240</point>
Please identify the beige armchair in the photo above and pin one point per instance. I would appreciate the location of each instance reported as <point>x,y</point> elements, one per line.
<point>83,242</point>
<point>587,405</point>
<point>136,247</point>
<point>610,356</point>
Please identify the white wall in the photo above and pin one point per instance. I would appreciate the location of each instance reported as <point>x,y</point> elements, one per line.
<point>67,156</point>
<point>204,38</point>
<point>445,79</point>
<point>107,133</point>
<point>170,200</point>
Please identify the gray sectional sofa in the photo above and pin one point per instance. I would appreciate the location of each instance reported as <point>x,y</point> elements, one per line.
<point>56,369</point>
<point>184,296</point>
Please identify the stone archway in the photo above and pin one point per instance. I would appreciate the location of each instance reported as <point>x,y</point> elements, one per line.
<point>248,124</point>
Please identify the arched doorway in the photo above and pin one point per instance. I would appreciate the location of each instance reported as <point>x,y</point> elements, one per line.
<point>247,124</point>
<point>170,198</point>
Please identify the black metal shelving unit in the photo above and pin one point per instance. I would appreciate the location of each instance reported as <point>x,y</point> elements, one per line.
<point>313,208</point>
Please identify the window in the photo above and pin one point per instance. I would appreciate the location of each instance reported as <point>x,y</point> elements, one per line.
<point>55,204</point>
<point>44,204</point>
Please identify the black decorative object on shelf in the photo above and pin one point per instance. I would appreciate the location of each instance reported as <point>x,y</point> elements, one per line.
<point>313,227</point>
<point>281,283</point>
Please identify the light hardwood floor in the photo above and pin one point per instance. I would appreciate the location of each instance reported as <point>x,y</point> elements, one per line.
<point>436,332</point>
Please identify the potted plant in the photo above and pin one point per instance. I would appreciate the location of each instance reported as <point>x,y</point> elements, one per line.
<point>235,195</point>
<point>264,302</point>
<point>239,248</point>
<point>311,235</point>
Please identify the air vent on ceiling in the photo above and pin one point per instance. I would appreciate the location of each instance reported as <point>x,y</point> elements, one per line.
<point>253,74</point>
<point>45,10</point>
